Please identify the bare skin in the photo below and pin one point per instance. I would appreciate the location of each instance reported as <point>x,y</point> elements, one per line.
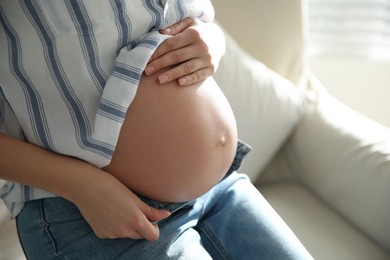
<point>88,187</point>
<point>189,133</point>
<point>92,189</point>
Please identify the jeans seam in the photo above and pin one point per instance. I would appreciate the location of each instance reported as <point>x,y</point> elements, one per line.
<point>47,231</point>
<point>213,239</point>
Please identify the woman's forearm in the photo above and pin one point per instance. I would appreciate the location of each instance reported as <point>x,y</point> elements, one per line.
<point>110,208</point>
<point>34,166</point>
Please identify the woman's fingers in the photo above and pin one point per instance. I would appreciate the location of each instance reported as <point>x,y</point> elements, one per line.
<point>114,211</point>
<point>142,228</point>
<point>194,70</point>
<point>190,56</point>
<point>195,77</point>
<point>153,214</point>
<point>175,43</point>
<point>192,53</point>
<point>172,58</point>
<point>145,227</point>
<point>178,27</point>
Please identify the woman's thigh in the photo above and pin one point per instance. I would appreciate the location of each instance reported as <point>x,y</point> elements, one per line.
<point>232,221</point>
<point>238,223</point>
<point>53,228</point>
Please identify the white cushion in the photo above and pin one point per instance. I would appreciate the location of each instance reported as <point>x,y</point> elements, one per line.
<point>324,233</point>
<point>9,243</point>
<point>4,214</point>
<point>267,106</point>
<point>10,247</point>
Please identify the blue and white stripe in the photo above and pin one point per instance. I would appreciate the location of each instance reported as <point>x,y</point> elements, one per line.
<point>35,109</point>
<point>156,12</point>
<point>123,22</point>
<point>112,110</point>
<point>69,71</point>
<point>180,10</point>
<point>75,106</point>
<point>88,42</point>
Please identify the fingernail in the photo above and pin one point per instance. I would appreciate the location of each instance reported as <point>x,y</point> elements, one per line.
<point>163,79</point>
<point>166,30</point>
<point>149,70</point>
<point>182,81</point>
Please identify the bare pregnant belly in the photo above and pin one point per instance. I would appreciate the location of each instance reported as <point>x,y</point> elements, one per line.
<point>176,142</point>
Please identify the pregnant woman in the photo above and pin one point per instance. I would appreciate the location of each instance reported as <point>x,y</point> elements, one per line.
<point>102,158</point>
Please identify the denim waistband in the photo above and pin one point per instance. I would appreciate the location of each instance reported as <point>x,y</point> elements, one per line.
<point>242,151</point>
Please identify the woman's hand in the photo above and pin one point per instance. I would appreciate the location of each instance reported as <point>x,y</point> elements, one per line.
<point>195,48</point>
<point>110,208</point>
<point>113,211</point>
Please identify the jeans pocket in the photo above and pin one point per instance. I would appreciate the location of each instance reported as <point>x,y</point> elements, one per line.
<point>72,236</point>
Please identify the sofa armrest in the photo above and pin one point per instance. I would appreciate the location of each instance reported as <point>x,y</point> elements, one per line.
<point>344,158</point>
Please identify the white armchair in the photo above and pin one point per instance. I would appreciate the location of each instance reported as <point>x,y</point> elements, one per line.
<point>322,166</point>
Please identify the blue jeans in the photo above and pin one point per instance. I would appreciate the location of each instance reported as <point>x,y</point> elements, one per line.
<point>231,221</point>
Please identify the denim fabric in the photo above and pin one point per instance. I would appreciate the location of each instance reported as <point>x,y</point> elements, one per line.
<point>231,221</point>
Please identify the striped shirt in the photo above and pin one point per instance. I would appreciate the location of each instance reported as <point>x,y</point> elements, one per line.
<point>69,70</point>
